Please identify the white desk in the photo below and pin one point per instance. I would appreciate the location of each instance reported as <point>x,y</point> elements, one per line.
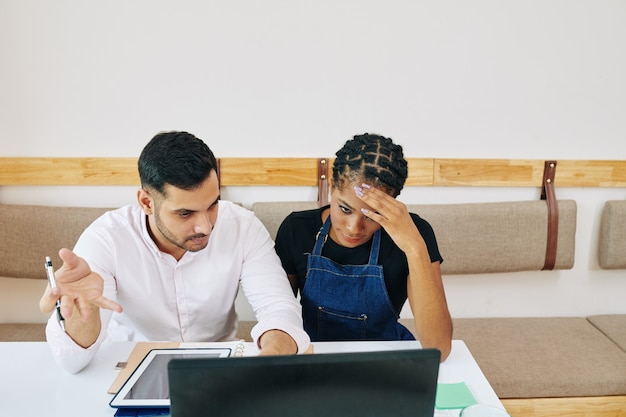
<point>33,385</point>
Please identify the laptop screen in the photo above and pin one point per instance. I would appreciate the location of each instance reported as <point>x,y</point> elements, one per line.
<point>385,383</point>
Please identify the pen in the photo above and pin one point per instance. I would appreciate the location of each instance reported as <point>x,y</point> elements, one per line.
<point>53,284</point>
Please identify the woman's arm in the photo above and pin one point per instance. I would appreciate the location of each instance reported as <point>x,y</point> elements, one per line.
<point>424,284</point>
<point>429,307</point>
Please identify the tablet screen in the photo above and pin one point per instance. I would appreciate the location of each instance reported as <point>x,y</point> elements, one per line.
<point>148,384</point>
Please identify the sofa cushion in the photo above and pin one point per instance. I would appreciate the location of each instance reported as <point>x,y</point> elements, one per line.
<point>243,330</point>
<point>613,326</point>
<point>19,298</point>
<point>30,233</point>
<point>544,357</point>
<point>612,243</point>
<point>272,214</point>
<point>36,332</point>
<point>477,238</point>
<point>22,332</point>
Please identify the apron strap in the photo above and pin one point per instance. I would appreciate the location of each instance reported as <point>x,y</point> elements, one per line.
<point>321,237</point>
<point>375,248</point>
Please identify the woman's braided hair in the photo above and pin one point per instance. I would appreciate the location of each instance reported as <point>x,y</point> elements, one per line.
<point>371,158</point>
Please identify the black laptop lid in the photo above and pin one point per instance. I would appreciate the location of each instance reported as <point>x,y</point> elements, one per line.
<point>386,383</point>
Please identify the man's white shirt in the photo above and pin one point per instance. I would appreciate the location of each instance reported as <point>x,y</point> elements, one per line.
<point>190,300</point>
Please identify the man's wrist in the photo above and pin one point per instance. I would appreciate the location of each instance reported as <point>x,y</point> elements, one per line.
<point>277,342</point>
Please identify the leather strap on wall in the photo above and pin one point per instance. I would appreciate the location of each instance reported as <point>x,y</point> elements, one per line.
<point>322,181</point>
<point>548,194</point>
<point>218,171</point>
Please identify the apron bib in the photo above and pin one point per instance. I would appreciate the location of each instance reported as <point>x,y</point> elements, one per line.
<point>348,302</point>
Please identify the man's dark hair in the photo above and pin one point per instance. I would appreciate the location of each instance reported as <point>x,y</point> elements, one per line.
<point>176,158</point>
<point>372,158</point>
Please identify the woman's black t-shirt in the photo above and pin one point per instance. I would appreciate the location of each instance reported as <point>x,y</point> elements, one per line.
<point>296,238</point>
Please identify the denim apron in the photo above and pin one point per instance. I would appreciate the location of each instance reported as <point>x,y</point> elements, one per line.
<point>348,302</point>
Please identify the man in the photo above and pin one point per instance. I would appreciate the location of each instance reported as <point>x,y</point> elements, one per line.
<point>174,263</point>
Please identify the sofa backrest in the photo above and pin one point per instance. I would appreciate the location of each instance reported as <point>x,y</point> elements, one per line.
<point>272,214</point>
<point>472,237</point>
<point>477,237</point>
<point>30,233</point>
<point>612,243</point>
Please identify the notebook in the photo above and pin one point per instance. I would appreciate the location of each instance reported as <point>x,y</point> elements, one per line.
<point>383,383</point>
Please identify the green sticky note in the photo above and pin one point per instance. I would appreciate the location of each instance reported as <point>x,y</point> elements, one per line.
<point>455,395</point>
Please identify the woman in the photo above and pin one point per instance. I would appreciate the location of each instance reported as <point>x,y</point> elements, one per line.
<point>356,261</point>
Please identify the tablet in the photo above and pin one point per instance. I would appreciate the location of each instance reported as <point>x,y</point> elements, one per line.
<point>148,385</point>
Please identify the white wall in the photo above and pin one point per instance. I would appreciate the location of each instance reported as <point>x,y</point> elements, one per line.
<point>537,79</point>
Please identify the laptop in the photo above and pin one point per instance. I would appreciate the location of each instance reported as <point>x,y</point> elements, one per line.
<point>382,383</point>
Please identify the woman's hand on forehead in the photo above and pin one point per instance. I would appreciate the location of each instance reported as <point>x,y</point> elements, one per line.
<point>391,214</point>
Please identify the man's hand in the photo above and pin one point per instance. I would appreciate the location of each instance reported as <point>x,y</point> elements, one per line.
<point>277,342</point>
<point>77,287</point>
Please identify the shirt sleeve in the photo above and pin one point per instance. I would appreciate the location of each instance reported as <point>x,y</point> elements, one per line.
<point>285,245</point>
<point>428,234</point>
<point>68,354</point>
<point>267,288</point>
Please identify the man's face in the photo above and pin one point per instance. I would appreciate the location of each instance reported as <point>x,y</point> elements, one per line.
<point>182,220</point>
<point>350,227</point>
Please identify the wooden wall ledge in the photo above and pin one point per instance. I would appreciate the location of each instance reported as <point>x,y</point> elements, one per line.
<point>303,172</point>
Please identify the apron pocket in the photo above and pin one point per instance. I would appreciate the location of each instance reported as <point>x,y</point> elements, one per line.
<point>340,325</point>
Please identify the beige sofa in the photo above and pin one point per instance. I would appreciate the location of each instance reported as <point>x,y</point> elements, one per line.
<point>581,358</point>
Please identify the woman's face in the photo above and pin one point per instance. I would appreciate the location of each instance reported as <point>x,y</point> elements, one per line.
<point>350,227</point>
